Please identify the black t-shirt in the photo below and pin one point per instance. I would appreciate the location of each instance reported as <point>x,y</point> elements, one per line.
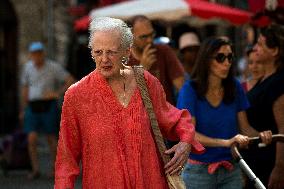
<point>260,116</point>
<point>262,98</point>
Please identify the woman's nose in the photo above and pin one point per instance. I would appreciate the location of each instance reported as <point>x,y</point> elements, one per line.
<point>227,62</point>
<point>104,57</point>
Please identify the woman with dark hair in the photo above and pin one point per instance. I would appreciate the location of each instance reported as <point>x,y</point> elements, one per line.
<point>255,70</point>
<point>217,103</point>
<point>267,107</point>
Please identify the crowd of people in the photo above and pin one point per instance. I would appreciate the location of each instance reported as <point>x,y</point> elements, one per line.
<point>217,103</point>
<point>218,108</point>
<point>197,100</point>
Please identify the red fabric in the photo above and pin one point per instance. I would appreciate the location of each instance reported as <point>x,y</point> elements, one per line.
<point>79,10</point>
<point>256,5</point>
<point>114,143</point>
<point>212,167</point>
<point>263,21</point>
<point>82,24</point>
<point>207,10</point>
<point>110,2</point>
<point>166,69</point>
<point>259,5</point>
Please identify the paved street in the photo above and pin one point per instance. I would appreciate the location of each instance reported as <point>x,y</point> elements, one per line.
<point>17,179</point>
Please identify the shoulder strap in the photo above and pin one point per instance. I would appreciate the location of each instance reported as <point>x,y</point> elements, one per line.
<point>139,76</point>
<point>174,181</point>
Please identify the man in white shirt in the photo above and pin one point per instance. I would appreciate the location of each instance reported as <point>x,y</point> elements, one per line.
<point>42,83</point>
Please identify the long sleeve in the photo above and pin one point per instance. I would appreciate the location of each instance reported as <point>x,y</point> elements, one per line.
<point>175,124</point>
<point>69,147</point>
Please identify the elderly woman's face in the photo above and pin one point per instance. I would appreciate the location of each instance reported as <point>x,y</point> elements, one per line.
<point>221,62</point>
<point>107,53</point>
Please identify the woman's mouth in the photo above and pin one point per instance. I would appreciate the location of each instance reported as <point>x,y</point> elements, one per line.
<point>106,68</point>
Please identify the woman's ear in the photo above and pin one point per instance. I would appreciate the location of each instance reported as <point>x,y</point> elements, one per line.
<point>275,51</point>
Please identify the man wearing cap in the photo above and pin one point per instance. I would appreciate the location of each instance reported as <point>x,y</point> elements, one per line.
<point>42,83</point>
<point>188,47</point>
<point>160,60</point>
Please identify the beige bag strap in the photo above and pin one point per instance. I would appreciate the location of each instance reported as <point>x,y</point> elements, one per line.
<point>139,76</point>
<point>174,181</point>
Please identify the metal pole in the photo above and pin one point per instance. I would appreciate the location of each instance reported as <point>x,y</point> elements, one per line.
<point>257,183</point>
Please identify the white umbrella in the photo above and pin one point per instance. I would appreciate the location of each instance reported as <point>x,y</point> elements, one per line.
<point>154,9</point>
<point>173,10</point>
<point>167,10</point>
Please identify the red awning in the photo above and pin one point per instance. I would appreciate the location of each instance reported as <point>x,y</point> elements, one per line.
<point>168,10</point>
<point>82,24</point>
<point>208,10</point>
<point>266,11</point>
<point>256,6</point>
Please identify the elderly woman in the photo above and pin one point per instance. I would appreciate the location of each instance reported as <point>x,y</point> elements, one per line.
<point>217,103</point>
<point>105,124</point>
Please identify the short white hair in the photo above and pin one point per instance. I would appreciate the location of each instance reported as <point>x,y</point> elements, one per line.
<point>111,24</point>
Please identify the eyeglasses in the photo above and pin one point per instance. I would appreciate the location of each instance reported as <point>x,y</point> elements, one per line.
<point>146,36</point>
<point>109,53</point>
<point>221,57</point>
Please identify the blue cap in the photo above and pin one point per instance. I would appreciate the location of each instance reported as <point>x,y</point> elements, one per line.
<point>36,46</point>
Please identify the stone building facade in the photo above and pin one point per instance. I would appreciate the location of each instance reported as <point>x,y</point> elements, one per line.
<point>43,20</point>
<point>21,22</point>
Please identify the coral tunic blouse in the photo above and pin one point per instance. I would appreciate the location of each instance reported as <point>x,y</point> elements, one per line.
<point>115,144</point>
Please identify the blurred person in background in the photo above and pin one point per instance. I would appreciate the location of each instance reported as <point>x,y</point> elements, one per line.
<point>248,37</point>
<point>43,82</point>
<point>105,125</point>
<point>160,60</point>
<point>188,47</point>
<point>267,107</point>
<point>255,70</point>
<point>217,103</point>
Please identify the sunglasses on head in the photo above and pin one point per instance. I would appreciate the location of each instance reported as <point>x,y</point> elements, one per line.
<point>221,57</point>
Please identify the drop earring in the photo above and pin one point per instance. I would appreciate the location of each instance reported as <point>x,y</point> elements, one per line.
<point>124,60</point>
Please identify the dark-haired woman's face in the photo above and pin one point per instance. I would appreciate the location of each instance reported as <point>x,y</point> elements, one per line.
<point>263,52</point>
<point>255,67</point>
<point>221,62</point>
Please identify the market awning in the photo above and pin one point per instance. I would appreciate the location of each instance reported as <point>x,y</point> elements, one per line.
<point>168,10</point>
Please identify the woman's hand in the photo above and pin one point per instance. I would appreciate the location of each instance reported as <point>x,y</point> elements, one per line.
<point>242,140</point>
<point>181,151</point>
<point>266,137</point>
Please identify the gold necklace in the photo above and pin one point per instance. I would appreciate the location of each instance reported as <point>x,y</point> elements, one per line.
<point>123,95</point>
